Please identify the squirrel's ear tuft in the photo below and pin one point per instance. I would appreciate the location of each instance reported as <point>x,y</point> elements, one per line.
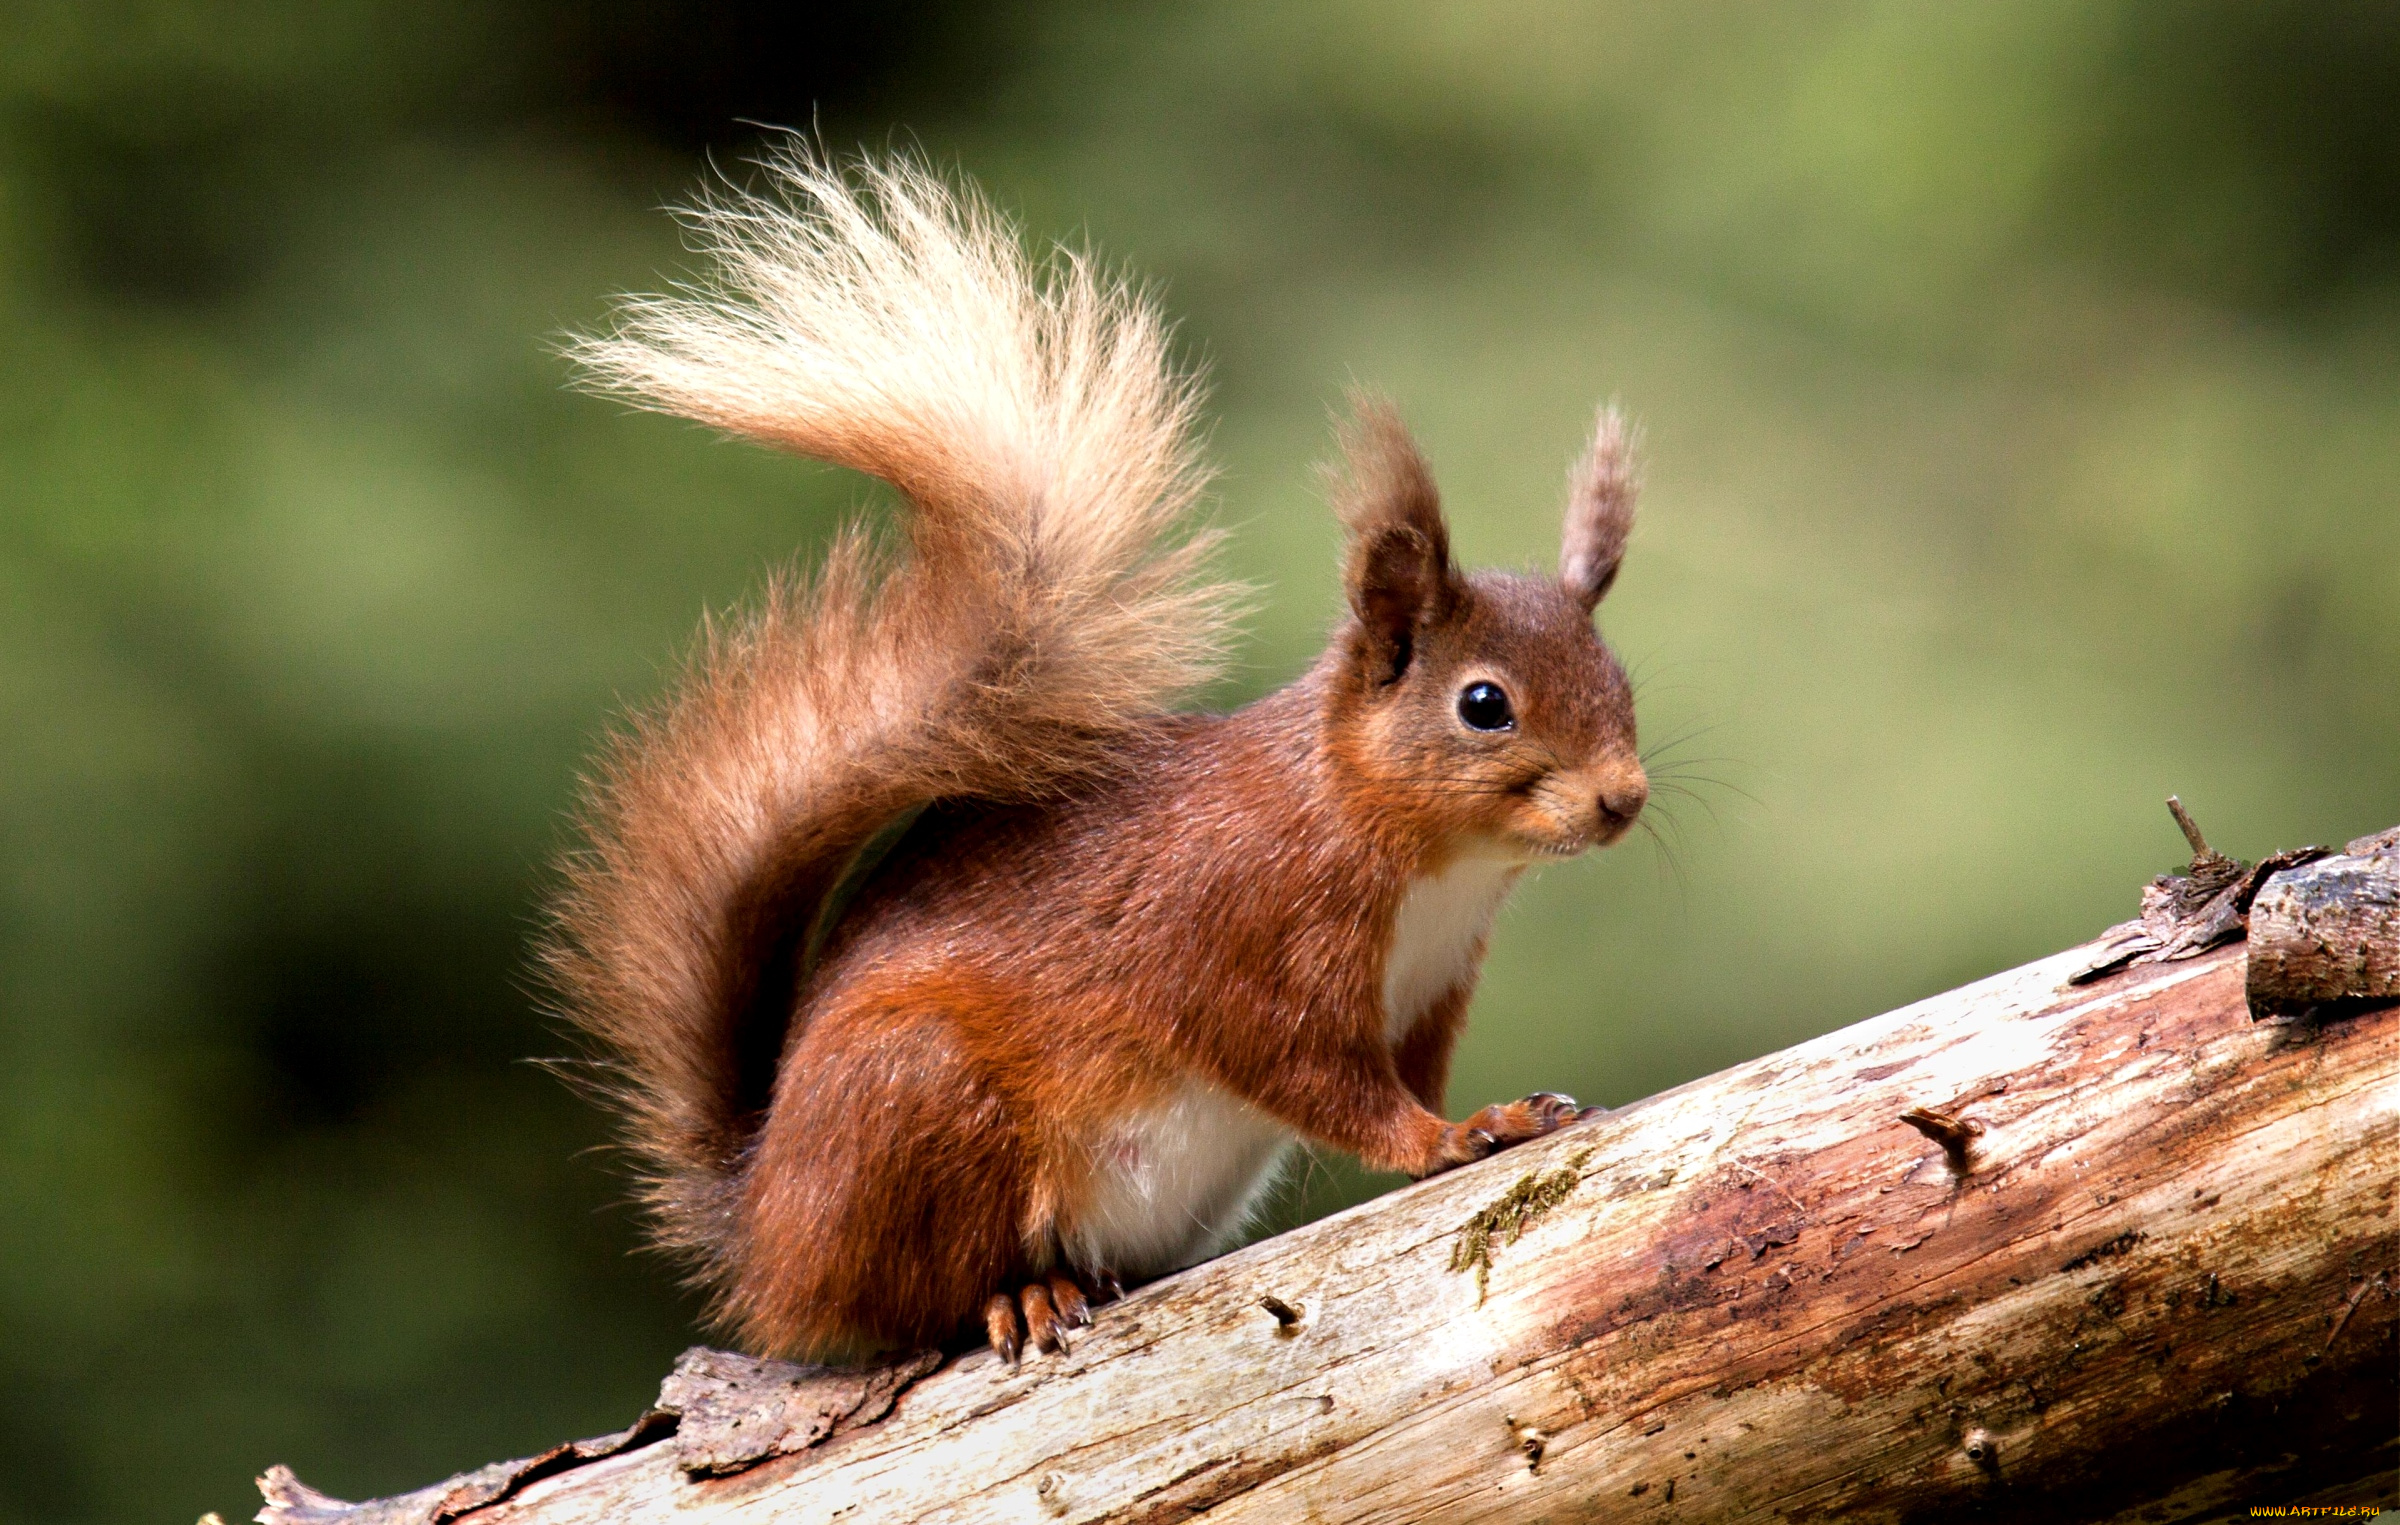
<point>1600,495</point>
<point>1398,575</point>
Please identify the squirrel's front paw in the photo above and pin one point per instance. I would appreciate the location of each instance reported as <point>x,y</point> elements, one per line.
<point>1541,1113</point>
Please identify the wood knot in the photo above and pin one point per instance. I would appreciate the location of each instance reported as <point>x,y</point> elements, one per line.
<point>1533,1442</point>
<point>1982,1448</point>
<point>1052,1491</point>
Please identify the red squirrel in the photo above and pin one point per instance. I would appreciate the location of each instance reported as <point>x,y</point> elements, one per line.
<point>1123,956</point>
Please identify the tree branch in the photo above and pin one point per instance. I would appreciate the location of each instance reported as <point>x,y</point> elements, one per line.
<point>2025,1250</point>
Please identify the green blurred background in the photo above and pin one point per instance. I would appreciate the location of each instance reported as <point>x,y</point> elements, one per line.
<point>2022,398</point>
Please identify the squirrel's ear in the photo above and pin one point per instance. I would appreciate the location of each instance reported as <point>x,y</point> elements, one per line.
<point>1600,494</point>
<point>1398,574</point>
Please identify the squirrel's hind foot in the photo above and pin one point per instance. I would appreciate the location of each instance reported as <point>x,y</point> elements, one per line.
<point>1042,1311</point>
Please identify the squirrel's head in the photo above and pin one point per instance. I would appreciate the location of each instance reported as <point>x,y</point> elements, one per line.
<point>1483,707</point>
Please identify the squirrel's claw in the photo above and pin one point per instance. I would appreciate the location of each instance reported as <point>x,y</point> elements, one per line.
<point>1074,1309</point>
<point>1545,1112</point>
<point>1001,1328</point>
<point>1044,1329</point>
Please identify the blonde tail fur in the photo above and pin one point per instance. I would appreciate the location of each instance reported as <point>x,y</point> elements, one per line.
<point>1041,604</point>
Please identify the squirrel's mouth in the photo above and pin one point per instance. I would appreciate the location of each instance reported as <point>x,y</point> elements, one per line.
<point>1608,833</point>
<point>1564,847</point>
<point>1564,840</point>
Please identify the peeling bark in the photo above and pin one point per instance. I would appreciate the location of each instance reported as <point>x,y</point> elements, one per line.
<point>2184,915</point>
<point>2029,1250</point>
<point>2329,932</point>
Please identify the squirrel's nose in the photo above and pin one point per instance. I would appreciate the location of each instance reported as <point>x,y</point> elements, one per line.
<point>1623,794</point>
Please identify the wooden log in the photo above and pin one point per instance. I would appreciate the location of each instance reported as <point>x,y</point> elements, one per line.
<point>2329,930</point>
<point>2023,1251</point>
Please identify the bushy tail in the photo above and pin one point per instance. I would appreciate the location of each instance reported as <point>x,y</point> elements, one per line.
<point>1041,604</point>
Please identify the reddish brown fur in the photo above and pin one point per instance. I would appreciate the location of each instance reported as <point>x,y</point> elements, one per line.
<point>1017,979</point>
<point>1100,910</point>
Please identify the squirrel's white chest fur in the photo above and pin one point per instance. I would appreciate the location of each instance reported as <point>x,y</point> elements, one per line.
<point>1177,1182</point>
<point>1440,925</point>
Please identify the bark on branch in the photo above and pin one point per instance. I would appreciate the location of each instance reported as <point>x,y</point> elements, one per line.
<point>2028,1250</point>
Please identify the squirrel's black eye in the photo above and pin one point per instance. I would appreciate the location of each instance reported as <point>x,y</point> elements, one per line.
<point>1484,706</point>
